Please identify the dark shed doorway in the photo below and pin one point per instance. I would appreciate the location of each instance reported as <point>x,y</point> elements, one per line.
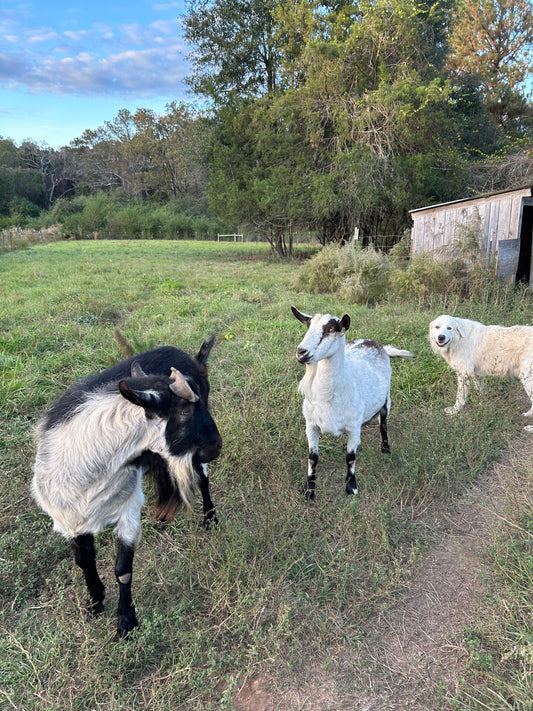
<point>523,271</point>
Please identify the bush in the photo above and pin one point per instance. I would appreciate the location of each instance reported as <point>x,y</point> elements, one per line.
<point>127,222</point>
<point>356,275</point>
<point>319,275</point>
<point>424,276</point>
<point>363,275</point>
<point>368,275</point>
<point>65,207</point>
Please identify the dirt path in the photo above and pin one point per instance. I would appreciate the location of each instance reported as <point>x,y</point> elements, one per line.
<point>413,651</point>
<point>418,643</point>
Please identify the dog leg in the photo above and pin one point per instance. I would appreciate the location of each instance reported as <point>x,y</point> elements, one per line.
<point>462,395</point>
<point>527,381</point>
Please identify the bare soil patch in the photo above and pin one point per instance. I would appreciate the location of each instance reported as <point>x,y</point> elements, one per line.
<point>413,655</point>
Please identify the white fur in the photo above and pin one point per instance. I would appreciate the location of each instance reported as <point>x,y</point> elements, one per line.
<point>345,385</point>
<point>474,350</point>
<point>82,477</point>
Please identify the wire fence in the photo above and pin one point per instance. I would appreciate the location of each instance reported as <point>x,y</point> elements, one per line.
<point>12,238</point>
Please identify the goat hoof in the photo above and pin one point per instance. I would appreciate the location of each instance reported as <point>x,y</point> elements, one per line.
<point>385,449</point>
<point>93,609</point>
<point>310,494</point>
<point>127,622</point>
<point>210,520</point>
<point>96,606</point>
<point>351,488</point>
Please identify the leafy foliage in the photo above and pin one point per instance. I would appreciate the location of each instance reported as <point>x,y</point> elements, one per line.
<point>322,118</point>
<point>235,52</point>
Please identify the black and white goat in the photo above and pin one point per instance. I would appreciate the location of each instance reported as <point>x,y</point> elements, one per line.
<point>344,386</point>
<point>146,414</point>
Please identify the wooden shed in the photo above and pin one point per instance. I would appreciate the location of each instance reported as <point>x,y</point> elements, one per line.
<point>502,222</point>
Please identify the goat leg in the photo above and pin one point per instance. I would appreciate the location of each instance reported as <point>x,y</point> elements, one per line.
<point>202,477</point>
<point>383,430</point>
<point>127,619</point>
<point>85,557</point>
<point>351,484</point>
<point>311,475</point>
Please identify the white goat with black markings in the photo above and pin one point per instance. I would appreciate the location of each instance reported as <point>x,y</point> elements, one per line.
<point>345,385</point>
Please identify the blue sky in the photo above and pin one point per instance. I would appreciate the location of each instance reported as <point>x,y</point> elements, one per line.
<point>70,66</point>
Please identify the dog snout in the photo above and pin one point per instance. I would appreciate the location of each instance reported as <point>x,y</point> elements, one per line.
<point>441,338</point>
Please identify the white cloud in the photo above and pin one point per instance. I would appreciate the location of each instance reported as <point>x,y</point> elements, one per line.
<point>126,60</point>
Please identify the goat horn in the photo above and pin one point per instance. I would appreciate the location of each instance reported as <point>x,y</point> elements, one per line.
<point>304,318</point>
<point>181,387</point>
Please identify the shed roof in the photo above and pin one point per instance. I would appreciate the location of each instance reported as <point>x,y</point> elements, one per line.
<point>482,196</point>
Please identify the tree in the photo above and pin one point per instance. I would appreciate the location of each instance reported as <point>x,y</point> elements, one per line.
<point>52,165</point>
<point>366,132</point>
<point>234,48</point>
<point>22,186</point>
<point>144,154</point>
<point>491,44</point>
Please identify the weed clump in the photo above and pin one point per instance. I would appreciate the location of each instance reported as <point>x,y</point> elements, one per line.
<point>367,275</point>
<point>356,275</point>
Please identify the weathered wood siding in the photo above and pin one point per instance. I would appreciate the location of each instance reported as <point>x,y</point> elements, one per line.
<point>496,217</point>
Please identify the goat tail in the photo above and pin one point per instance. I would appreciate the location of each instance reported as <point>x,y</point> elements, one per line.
<point>126,347</point>
<point>393,352</point>
<point>205,349</point>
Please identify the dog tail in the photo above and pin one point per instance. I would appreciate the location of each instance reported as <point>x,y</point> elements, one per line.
<point>393,352</point>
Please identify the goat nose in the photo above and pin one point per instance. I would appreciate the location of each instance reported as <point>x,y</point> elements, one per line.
<point>301,352</point>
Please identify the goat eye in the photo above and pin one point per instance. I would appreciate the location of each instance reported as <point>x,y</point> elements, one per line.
<point>185,414</point>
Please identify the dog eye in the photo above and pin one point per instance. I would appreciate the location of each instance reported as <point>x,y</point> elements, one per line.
<point>449,328</point>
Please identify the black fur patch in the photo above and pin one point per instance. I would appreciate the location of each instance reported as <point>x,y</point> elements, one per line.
<point>155,362</point>
<point>332,326</point>
<point>366,343</point>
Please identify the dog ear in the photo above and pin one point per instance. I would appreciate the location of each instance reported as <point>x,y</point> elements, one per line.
<point>460,331</point>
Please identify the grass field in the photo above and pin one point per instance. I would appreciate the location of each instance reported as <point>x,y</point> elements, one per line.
<point>280,585</point>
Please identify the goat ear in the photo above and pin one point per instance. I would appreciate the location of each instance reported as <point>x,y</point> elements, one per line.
<point>181,387</point>
<point>143,398</point>
<point>345,322</point>
<point>136,370</point>
<point>304,318</point>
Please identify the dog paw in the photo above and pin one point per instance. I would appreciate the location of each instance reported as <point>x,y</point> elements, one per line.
<point>528,428</point>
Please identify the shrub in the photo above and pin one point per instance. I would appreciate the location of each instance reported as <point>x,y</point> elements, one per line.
<point>424,275</point>
<point>368,275</point>
<point>65,207</point>
<point>363,275</point>
<point>126,222</point>
<point>356,275</point>
<point>319,275</point>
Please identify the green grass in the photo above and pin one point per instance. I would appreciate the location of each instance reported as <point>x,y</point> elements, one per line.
<point>279,579</point>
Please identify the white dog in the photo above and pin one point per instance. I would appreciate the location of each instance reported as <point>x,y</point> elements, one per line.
<point>474,350</point>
